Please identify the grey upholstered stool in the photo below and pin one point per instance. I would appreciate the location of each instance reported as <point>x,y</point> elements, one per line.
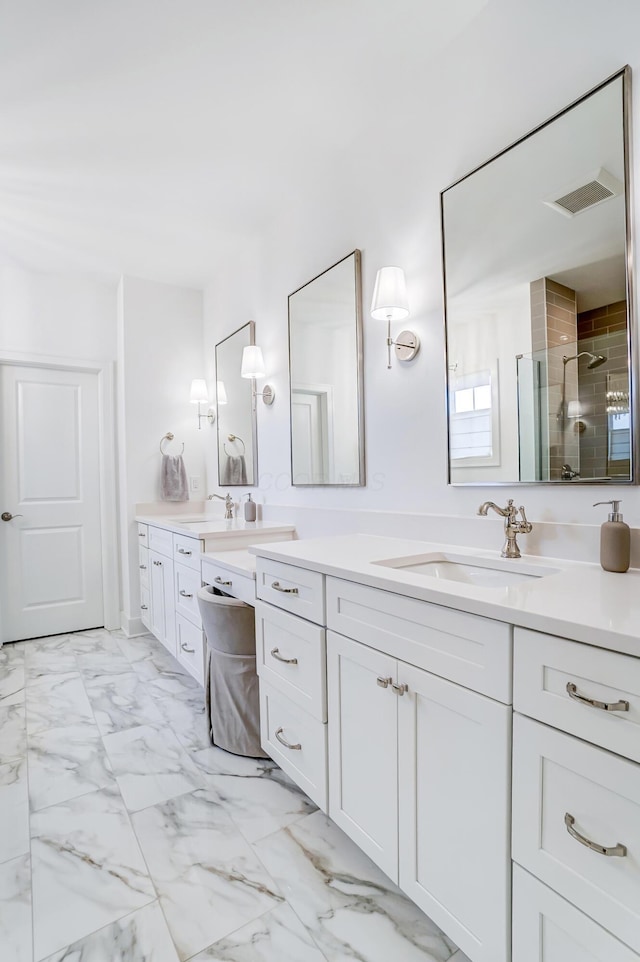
<point>231,681</point>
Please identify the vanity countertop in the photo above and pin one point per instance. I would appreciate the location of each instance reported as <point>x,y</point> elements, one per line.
<point>199,526</point>
<point>238,562</point>
<point>580,601</point>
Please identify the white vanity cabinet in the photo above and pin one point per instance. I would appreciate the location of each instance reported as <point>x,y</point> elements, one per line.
<point>162,619</point>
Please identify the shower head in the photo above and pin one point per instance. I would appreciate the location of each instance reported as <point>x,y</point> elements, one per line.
<point>595,360</point>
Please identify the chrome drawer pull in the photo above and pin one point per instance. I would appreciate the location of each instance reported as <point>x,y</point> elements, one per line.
<point>218,581</point>
<point>383,682</point>
<point>184,594</point>
<point>143,567</point>
<point>400,689</point>
<point>141,534</point>
<point>185,648</point>
<point>602,705</point>
<point>144,607</point>
<point>283,741</point>
<point>620,850</point>
<point>286,591</point>
<point>285,661</point>
<point>183,551</point>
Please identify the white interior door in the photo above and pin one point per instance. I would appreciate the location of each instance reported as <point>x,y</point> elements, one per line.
<point>50,550</point>
<point>309,431</point>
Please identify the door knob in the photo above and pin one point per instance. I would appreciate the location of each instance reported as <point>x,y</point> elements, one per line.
<point>7,516</point>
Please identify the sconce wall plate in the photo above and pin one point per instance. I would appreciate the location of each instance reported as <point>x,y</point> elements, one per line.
<point>407,345</point>
<point>268,395</point>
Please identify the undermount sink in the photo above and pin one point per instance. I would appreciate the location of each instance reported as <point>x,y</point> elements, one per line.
<point>469,569</point>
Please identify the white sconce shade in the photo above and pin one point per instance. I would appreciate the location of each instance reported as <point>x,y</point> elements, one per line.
<point>199,391</point>
<point>252,362</point>
<point>221,392</point>
<point>574,409</point>
<point>390,302</point>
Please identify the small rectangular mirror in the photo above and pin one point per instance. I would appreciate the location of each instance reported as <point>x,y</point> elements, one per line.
<point>325,366</point>
<point>538,305</point>
<point>237,438</point>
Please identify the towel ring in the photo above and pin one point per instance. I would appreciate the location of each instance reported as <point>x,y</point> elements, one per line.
<point>233,437</point>
<point>169,437</point>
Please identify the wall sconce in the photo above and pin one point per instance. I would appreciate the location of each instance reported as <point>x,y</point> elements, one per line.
<point>390,303</point>
<point>200,395</point>
<point>253,367</point>
<point>221,393</point>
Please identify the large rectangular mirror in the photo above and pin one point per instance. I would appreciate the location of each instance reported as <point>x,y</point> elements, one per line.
<point>538,305</point>
<point>237,446</point>
<point>325,364</point>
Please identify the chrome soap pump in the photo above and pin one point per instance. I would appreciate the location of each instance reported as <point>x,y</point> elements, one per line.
<point>615,540</point>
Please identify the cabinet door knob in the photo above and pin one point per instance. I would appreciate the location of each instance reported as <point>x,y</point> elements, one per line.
<point>184,594</point>
<point>187,649</point>
<point>383,682</point>
<point>285,661</point>
<point>218,581</point>
<point>286,591</point>
<point>615,850</point>
<point>144,607</point>
<point>400,689</point>
<point>183,551</point>
<point>602,705</point>
<point>283,741</point>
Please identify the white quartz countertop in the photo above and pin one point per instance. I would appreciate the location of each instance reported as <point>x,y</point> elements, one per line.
<point>238,562</point>
<point>580,601</point>
<point>199,526</point>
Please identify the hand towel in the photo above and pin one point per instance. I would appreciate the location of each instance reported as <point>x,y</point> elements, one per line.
<point>173,478</point>
<point>235,470</point>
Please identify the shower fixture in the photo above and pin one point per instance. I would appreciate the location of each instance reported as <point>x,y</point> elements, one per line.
<point>596,359</point>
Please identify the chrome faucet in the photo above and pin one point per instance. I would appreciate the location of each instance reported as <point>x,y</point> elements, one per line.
<point>228,504</point>
<point>512,527</point>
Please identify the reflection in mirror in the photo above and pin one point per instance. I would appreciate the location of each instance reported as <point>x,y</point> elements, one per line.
<point>325,359</point>
<point>237,448</point>
<point>538,314</point>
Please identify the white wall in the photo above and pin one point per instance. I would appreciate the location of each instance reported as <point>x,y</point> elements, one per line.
<point>516,65</point>
<point>159,352</point>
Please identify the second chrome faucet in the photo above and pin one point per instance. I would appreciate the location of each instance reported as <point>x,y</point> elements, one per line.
<point>512,527</point>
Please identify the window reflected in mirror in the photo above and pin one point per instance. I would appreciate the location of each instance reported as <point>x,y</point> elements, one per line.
<point>236,422</point>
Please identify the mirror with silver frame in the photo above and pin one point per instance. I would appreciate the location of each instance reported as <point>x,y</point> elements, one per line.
<point>237,437</point>
<point>538,303</point>
<point>325,367</point>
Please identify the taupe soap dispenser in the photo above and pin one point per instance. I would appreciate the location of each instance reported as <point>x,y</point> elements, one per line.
<point>615,540</point>
<point>249,508</point>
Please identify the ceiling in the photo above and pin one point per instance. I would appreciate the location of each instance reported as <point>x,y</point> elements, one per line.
<point>148,137</point>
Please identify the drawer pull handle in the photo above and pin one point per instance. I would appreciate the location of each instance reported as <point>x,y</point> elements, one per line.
<point>400,689</point>
<point>619,850</point>
<point>158,564</point>
<point>218,581</point>
<point>141,534</point>
<point>143,567</point>
<point>285,661</point>
<point>602,705</point>
<point>187,649</point>
<point>183,551</point>
<point>184,594</point>
<point>283,741</point>
<point>144,607</point>
<point>286,591</point>
<point>383,682</point>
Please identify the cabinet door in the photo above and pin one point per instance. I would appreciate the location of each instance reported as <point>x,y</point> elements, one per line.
<point>162,622</point>
<point>363,748</point>
<point>454,777</point>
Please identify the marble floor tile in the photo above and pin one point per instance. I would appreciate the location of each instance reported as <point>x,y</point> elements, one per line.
<point>66,762</point>
<point>12,671</point>
<point>150,766</point>
<point>277,936</point>
<point>97,664</point>
<point>332,886</point>
<point>148,658</point>
<point>88,870</point>
<point>122,701</point>
<point>13,727</point>
<point>14,810</point>
<point>15,910</point>
<point>209,880</point>
<point>142,936</point>
<point>55,701</point>
<point>257,794</point>
<point>95,640</point>
<point>186,717</point>
<point>49,656</point>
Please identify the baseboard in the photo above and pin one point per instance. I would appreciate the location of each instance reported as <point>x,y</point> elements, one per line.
<point>132,626</point>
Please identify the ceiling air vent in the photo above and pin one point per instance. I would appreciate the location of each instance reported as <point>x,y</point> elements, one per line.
<point>586,193</point>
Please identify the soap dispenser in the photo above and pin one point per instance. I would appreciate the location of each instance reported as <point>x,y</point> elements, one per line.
<point>249,508</point>
<point>615,540</point>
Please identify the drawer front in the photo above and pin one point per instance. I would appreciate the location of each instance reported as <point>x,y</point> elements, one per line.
<point>187,551</point>
<point>145,602</point>
<point>143,565</point>
<point>562,785</point>
<point>291,658</point>
<point>143,535</point>
<point>186,584</point>
<point>161,541</point>
<point>543,668</point>
<point>472,651</point>
<point>283,721</point>
<point>294,589</point>
<point>546,928</point>
<point>190,647</point>
<point>230,582</point>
